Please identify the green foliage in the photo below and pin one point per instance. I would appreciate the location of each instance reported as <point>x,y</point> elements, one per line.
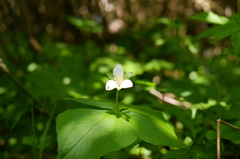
<point>218,33</point>
<point>211,17</point>
<point>92,133</point>
<point>181,153</point>
<point>86,24</point>
<point>224,27</point>
<point>197,82</point>
<point>235,42</point>
<point>89,133</point>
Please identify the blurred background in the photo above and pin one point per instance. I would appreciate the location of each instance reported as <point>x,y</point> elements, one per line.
<point>50,50</point>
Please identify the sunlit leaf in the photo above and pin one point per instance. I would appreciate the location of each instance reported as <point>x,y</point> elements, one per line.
<point>95,103</point>
<point>91,133</point>
<point>210,17</point>
<point>151,127</point>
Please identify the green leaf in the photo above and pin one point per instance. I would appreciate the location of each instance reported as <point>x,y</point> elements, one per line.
<point>151,127</point>
<point>235,18</point>
<point>85,101</point>
<point>181,153</point>
<point>110,75</point>
<point>30,140</point>
<point>210,17</point>
<point>95,104</point>
<point>220,32</point>
<point>236,42</point>
<point>87,25</point>
<point>211,135</point>
<point>166,21</point>
<point>232,113</point>
<point>127,75</point>
<point>230,133</point>
<point>91,133</point>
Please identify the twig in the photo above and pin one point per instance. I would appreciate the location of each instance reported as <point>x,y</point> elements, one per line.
<point>35,44</point>
<point>184,105</point>
<point>218,134</point>
<point>21,87</point>
<point>226,123</point>
<point>218,138</point>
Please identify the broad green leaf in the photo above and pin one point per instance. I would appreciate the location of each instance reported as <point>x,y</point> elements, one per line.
<point>210,17</point>
<point>96,104</point>
<point>236,42</point>
<point>91,133</point>
<point>151,127</point>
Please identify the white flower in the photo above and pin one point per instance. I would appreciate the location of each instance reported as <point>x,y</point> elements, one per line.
<point>119,80</point>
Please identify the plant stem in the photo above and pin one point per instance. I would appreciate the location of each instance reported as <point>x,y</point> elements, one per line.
<point>117,102</point>
<point>218,138</point>
<point>33,131</point>
<point>115,153</point>
<point>117,97</point>
<point>44,135</point>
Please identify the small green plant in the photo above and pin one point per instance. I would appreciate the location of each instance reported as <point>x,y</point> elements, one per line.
<point>92,132</point>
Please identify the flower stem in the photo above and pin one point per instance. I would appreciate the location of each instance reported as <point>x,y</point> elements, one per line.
<point>117,102</point>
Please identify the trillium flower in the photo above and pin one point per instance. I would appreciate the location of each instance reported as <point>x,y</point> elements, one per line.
<point>119,80</point>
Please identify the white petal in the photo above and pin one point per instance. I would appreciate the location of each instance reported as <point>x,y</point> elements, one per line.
<point>118,71</point>
<point>126,84</point>
<point>111,84</point>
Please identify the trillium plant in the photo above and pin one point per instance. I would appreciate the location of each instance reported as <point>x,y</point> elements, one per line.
<point>102,128</point>
<point>118,80</point>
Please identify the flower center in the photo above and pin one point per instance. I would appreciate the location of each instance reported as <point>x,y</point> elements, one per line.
<point>118,80</point>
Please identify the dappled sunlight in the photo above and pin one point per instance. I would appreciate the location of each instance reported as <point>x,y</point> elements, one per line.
<point>154,129</point>
<point>92,130</point>
<point>12,141</point>
<point>56,69</point>
<point>136,150</point>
